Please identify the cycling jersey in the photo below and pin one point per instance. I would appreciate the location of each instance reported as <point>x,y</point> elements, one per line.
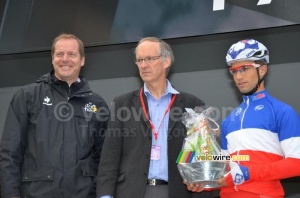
<point>268,131</point>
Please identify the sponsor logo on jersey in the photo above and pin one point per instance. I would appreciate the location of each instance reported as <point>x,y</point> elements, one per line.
<point>259,107</point>
<point>258,96</point>
<point>238,111</point>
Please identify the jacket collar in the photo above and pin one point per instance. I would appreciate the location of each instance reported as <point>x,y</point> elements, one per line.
<point>256,96</point>
<point>81,87</point>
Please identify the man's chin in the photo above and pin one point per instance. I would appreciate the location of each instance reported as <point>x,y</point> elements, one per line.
<point>243,91</point>
<point>145,79</point>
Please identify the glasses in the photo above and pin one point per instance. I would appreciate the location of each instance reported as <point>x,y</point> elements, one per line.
<point>149,59</point>
<point>242,68</point>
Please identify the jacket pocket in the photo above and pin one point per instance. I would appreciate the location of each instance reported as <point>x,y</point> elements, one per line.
<point>38,175</point>
<point>121,177</point>
<point>37,183</point>
<point>87,168</point>
<point>85,174</point>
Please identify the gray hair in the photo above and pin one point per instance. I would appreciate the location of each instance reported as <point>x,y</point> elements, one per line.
<point>164,48</point>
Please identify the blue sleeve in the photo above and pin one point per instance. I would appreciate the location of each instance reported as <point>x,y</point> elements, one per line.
<point>223,137</point>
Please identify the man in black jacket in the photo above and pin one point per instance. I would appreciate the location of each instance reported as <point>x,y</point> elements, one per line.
<point>52,138</point>
<point>145,133</point>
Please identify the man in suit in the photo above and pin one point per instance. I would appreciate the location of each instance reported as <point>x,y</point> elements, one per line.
<point>145,133</point>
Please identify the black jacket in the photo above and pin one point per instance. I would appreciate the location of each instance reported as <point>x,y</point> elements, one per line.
<point>52,140</point>
<point>124,166</point>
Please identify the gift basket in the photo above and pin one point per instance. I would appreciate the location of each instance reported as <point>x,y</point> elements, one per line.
<point>200,160</point>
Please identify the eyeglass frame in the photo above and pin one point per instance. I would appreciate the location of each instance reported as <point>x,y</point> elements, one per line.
<point>148,59</point>
<point>240,68</point>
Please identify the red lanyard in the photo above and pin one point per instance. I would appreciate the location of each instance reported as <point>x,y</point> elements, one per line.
<point>147,116</point>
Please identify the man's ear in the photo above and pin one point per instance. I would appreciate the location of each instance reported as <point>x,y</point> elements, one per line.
<point>263,70</point>
<point>167,62</point>
<point>82,61</point>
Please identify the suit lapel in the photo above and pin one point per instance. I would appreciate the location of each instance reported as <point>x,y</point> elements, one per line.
<point>138,105</point>
<point>175,117</point>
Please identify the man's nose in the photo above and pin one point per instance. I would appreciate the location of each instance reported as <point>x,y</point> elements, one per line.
<point>143,63</point>
<point>239,74</point>
<point>65,57</point>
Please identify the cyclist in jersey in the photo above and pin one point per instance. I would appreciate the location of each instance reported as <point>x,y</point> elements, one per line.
<point>261,127</point>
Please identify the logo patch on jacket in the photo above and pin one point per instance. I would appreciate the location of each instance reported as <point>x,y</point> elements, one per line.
<point>90,107</point>
<point>258,96</point>
<point>238,111</point>
<point>258,107</point>
<point>47,101</point>
<point>238,178</point>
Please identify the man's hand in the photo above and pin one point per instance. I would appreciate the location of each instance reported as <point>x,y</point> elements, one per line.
<point>196,187</point>
<point>222,182</point>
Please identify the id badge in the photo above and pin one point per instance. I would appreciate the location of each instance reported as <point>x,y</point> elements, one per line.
<point>155,152</point>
